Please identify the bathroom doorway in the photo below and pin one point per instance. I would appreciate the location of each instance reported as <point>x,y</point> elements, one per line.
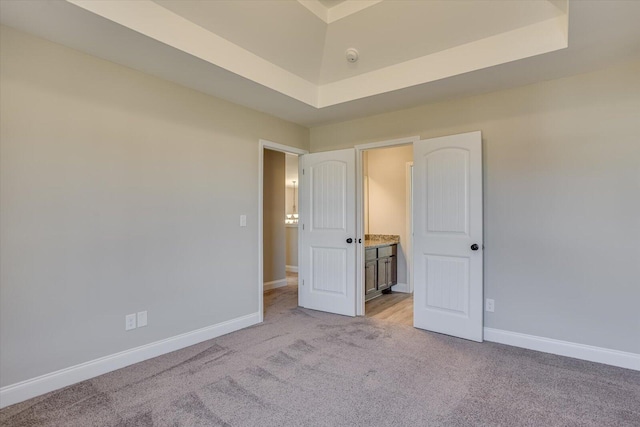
<point>387,225</point>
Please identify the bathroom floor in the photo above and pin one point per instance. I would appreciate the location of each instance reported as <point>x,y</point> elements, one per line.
<point>395,307</point>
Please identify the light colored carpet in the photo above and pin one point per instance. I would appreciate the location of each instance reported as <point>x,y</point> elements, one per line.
<point>306,368</point>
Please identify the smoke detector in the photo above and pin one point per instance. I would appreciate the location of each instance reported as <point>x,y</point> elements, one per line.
<point>352,55</point>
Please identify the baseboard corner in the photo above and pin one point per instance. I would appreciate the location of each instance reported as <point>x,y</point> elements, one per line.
<point>274,284</point>
<point>401,287</point>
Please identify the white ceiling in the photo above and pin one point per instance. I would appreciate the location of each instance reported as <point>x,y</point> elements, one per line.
<point>332,10</point>
<point>393,32</point>
<point>290,37</point>
<point>279,57</point>
<point>282,32</point>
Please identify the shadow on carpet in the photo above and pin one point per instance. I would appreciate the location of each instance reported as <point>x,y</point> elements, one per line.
<point>306,368</point>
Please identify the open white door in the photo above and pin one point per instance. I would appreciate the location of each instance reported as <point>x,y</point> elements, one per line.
<point>328,252</point>
<point>447,240</point>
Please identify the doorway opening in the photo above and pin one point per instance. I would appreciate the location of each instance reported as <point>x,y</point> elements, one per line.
<point>445,268</point>
<point>446,242</point>
<point>278,237</point>
<point>387,227</point>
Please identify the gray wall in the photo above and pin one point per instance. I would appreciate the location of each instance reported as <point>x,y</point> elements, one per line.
<point>273,232</point>
<point>119,192</point>
<point>561,199</point>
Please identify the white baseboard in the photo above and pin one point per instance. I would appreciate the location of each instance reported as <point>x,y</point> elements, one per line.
<point>291,268</point>
<point>607,356</point>
<point>24,390</point>
<point>274,284</point>
<point>401,287</point>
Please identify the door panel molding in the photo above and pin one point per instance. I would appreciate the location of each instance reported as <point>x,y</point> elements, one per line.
<point>448,273</point>
<point>328,226</point>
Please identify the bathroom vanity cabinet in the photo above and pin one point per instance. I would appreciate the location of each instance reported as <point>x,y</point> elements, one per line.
<point>381,269</point>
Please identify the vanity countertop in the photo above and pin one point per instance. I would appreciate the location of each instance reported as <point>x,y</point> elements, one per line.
<point>379,240</point>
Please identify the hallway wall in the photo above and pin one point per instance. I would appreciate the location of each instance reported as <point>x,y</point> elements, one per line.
<point>274,239</point>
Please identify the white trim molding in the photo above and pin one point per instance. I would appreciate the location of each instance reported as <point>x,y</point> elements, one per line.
<point>158,23</point>
<point>408,247</point>
<point>329,14</point>
<point>274,284</point>
<point>401,287</point>
<point>607,356</point>
<point>291,268</point>
<point>33,387</point>
<point>388,143</point>
<point>153,21</point>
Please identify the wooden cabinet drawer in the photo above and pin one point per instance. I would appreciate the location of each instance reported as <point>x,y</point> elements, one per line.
<point>380,270</point>
<point>387,251</point>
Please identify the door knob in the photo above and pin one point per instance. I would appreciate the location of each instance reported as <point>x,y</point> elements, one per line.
<point>349,240</point>
<point>474,247</point>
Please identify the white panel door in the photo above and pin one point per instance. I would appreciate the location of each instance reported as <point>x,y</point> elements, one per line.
<point>447,240</point>
<point>328,254</point>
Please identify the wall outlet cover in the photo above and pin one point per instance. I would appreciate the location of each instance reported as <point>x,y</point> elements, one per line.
<point>142,318</point>
<point>129,322</point>
<point>490,305</point>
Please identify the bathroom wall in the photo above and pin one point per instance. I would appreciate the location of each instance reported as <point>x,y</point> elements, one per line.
<point>387,197</point>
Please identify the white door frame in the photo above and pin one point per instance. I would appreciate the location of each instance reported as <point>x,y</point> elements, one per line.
<point>262,145</point>
<point>409,221</point>
<point>360,210</point>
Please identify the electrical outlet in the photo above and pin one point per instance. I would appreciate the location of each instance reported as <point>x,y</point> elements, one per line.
<point>243,220</point>
<point>130,322</point>
<point>142,318</point>
<point>490,305</point>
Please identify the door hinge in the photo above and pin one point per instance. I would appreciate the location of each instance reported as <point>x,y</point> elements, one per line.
<point>302,282</point>
<point>302,171</point>
<point>303,227</point>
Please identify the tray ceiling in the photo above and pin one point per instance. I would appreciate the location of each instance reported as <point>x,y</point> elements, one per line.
<point>386,33</point>
<point>285,58</point>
